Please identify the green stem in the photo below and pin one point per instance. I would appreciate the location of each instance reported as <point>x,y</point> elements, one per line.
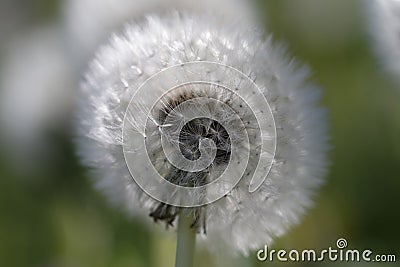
<point>186,242</point>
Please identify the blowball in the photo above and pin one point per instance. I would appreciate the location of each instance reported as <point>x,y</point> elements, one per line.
<point>183,113</point>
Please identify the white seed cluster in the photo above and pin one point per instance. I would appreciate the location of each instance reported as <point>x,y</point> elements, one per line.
<point>134,96</point>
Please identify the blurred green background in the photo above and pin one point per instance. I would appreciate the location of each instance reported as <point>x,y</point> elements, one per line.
<point>51,215</point>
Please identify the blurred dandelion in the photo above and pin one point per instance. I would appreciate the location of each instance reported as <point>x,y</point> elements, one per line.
<point>107,16</point>
<point>384,27</point>
<point>182,115</point>
<point>36,95</point>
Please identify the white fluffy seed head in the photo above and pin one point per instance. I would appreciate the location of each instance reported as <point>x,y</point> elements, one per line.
<point>240,220</point>
<point>384,27</point>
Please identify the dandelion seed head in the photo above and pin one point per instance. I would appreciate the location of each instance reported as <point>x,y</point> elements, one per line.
<point>128,112</point>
